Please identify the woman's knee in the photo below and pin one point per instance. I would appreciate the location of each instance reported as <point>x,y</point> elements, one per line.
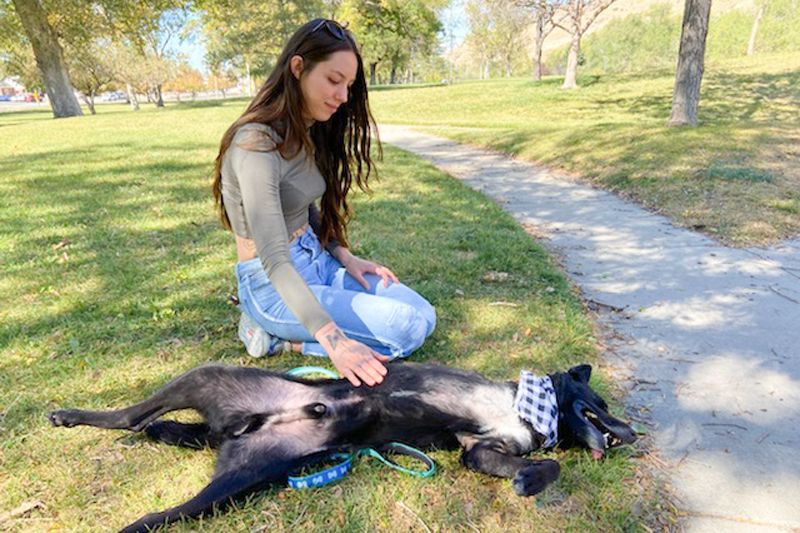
<point>409,327</point>
<point>428,312</point>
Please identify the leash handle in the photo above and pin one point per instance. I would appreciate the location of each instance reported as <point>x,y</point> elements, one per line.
<point>402,449</point>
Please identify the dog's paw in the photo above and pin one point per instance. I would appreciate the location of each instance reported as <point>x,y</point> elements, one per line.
<point>64,417</point>
<point>535,477</point>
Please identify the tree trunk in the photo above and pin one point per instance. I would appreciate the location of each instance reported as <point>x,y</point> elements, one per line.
<point>373,67</point>
<point>89,103</point>
<point>249,81</point>
<point>537,62</point>
<point>49,58</point>
<point>393,75</point>
<point>751,44</point>
<point>132,100</point>
<point>689,74</point>
<point>571,75</point>
<point>159,97</point>
<point>538,42</point>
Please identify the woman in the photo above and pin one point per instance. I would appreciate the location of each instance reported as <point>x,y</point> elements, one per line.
<point>306,135</point>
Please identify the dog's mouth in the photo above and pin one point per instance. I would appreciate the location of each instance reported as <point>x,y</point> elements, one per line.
<point>610,440</point>
<point>602,431</point>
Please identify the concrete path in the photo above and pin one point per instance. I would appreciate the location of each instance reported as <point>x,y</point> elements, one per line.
<point>706,338</point>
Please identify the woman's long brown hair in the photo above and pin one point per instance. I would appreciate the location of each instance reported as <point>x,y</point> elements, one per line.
<point>341,145</point>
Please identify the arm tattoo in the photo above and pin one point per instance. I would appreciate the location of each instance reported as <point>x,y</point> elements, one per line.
<point>334,338</point>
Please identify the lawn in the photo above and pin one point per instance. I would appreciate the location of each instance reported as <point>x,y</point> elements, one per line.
<point>114,277</point>
<point>735,177</point>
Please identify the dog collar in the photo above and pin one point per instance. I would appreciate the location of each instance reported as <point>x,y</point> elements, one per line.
<point>535,402</point>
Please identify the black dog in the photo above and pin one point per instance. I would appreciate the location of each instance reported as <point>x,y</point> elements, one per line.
<point>266,424</point>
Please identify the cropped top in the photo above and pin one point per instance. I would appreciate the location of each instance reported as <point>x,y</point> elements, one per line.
<point>267,198</point>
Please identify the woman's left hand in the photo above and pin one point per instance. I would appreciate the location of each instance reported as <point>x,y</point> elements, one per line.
<point>358,267</point>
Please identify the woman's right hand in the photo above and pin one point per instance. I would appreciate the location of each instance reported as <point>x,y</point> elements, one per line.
<point>354,360</point>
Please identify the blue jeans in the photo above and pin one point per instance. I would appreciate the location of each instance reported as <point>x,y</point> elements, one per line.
<point>392,320</point>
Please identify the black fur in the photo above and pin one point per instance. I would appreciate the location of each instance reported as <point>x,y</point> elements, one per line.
<point>266,424</point>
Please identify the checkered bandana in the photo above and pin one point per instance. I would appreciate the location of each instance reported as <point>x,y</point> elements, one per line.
<point>536,403</point>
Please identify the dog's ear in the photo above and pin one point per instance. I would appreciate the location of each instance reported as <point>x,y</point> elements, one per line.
<point>581,373</point>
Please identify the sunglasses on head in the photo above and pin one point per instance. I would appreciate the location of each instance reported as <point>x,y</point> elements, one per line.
<point>332,26</point>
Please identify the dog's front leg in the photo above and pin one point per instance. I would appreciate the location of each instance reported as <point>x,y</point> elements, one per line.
<point>529,477</point>
<point>216,494</point>
<point>243,466</point>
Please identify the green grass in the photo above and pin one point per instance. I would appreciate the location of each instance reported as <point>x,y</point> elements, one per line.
<point>728,176</point>
<point>114,280</point>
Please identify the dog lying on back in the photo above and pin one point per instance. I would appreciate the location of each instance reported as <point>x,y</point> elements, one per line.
<point>267,424</point>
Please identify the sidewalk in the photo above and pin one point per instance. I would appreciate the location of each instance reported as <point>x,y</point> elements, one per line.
<point>705,338</point>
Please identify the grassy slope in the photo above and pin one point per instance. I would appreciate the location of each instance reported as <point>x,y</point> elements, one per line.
<point>734,177</point>
<point>114,280</point>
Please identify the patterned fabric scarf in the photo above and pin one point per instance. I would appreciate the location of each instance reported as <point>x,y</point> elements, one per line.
<point>536,403</point>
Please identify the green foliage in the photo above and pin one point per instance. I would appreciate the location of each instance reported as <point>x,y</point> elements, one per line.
<point>728,34</point>
<point>252,32</point>
<point>16,54</point>
<point>497,37</point>
<point>649,40</point>
<point>780,27</point>
<point>642,41</point>
<point>392,34</point>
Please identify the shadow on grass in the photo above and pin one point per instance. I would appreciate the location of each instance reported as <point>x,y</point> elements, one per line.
<point>149,285</point>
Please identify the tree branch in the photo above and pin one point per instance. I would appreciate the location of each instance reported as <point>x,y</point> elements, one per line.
<point>599,9</point>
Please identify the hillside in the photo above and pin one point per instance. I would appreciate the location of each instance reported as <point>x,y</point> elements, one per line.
<point>623,8</point>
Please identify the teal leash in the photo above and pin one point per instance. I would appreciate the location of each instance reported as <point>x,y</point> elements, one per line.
<point>342,468</point>
<point>303,370</point>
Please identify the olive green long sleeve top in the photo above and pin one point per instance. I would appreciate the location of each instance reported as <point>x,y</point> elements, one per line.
<point>267,198</point>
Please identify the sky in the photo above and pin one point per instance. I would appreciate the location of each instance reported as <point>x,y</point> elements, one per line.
<point>454,20</point>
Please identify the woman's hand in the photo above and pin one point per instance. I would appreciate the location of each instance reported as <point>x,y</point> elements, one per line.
<point>357,267</point>
<point>353,360</point>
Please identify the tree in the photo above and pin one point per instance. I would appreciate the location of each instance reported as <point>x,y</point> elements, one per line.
<point>392,32</point>
<point>576,16</point>
<point>250,34</point>
<point>691,56</point>
<point>751,43</point>
<point>16,54</point>
<point>129,69</point>
<point>186,80</point>
<point>91,70</point>
<point>543,25</point>
<point>507,22</point>
<point>478,39</point>
<point>49,58</point>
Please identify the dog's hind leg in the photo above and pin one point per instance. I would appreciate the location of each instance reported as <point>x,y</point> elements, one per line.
<point>195,436</point>
<point>529,477</point>
<point>196,389</point>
